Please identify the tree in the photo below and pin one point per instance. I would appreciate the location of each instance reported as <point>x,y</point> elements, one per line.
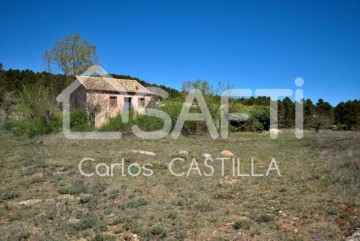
<point>324,113</point>
<point>201,85</point>
<point>72,55</point>
<point>7,106</point>
<point>36,102</point>
<point>309,111</point>
<point>347,114</point>
<point>288,112</point>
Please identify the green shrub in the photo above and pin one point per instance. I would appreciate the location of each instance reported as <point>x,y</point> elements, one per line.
<point>117,124</point>
<point>38,126</point>
<point>89,221</point>
<point>263,218</point>
<point>75,188</point>
<point>204,207</point>
<point>133,204</point>
<point>102,237</point>
<point>262,115</point>
<point>79,121</point>
<point>259,118</point>
<point>241,225</point>
<point>253,125</point>
<point>173,109</point>
<point>158,231</point>
<point>149,123</point>
<point>9,195</point>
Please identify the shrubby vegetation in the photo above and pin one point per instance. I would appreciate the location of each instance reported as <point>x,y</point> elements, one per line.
<point>30,99</point>
<point>146,123</point>
<point>79,121</point>
<point>28,106</point>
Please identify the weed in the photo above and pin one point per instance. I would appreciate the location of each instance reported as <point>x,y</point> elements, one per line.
<point>241,225</point>
<point>85,199</point>
<point>89,221</point>
<point>133,204</point>
<point>158,231</point>
<point>73,189</point>
<point>102,237</point>
<point>9,195</point>
<point>51,215</point>
<point>263,218</point>
<point>204,207</point>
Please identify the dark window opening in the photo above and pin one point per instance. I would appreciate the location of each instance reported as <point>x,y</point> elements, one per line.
<point>127,104</point>
<point>113,101</point>
<point>141,102</point>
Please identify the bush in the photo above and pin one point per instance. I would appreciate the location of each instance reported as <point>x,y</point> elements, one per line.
<point>158,231</point>
<point>38,126</point>
<point>79,121</point>
<point>8,196</point>
<point>262,115</point>
<point>241,225</point>
<point>259,118</point>
<point>253,125</point>
<point>145,123</point>
<point>88,221</point>
<point>173,109</point>
<point>76,188</point>
<point>117,124</point>
<point>263,218</point>
<point>149,123</point>
<point>102,237</point>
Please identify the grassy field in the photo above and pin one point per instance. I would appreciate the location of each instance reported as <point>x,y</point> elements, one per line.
<point>43,196</point>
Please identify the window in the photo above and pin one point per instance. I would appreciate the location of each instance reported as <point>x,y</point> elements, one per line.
<point>113,101</point>
<point>141,102</point>
<point>127,104</point>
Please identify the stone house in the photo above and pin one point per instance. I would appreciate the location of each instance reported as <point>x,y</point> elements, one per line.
<point>106,97</point>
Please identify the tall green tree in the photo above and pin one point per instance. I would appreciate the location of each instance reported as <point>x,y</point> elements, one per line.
<point>289,112</point>
<point>309,112</point>
<point>347,115</point>
<point>72,56</point>
<point>324,113</point>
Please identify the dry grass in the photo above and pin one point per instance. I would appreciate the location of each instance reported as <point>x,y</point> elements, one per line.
<point>314,199</point>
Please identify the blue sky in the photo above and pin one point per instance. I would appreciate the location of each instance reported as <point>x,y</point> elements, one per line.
<point>250,44</point>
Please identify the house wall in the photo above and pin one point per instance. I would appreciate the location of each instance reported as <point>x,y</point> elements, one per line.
<point>106,111</point>
<point>78,99</point>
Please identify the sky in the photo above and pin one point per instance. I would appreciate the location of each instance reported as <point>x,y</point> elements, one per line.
<point>248,44</point>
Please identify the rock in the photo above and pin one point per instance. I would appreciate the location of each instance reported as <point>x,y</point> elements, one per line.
<point>29,202</point>
<point>39,175</point>
<point>229,180</point>
<point>148,153</point>
<point>184,153</point>
<point>66,197</point>
<point>134,237</point>
<point>276,131</point>
<point>226,153</point>
<point>238,117</point>
<point>354,237</point>
<point>206,155</point>
<point>73,220</point>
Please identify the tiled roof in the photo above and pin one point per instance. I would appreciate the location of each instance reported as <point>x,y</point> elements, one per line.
<point>112,84</point>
